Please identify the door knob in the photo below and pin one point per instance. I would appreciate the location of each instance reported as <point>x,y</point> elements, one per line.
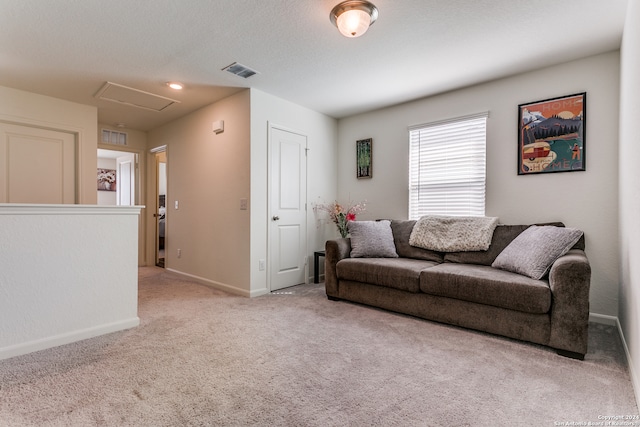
<point>275,218</point>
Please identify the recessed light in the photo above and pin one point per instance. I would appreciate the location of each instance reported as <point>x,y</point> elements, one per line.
<point>175,85</point>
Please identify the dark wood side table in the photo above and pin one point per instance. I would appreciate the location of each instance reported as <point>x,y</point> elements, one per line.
<point>316,262</point>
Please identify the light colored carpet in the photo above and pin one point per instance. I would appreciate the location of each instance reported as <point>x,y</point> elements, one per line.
<point>202,357</point>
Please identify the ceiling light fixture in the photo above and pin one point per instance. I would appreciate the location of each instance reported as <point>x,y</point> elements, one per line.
<point>175,85</point>
<point>353,17</point>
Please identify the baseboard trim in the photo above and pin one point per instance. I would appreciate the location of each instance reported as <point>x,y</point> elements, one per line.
<point>604,319</point>
<point>632,373</point>
<point>614,321</point>
<point>66,338</point>
<point>219,285</point>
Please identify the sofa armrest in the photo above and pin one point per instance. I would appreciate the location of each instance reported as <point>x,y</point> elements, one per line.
<point>569,280</point>
<point>335,250</point>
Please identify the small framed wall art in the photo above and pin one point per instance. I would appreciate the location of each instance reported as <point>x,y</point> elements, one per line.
<point>106,179</point>
<point>364,158</point>
<point>551,135</point>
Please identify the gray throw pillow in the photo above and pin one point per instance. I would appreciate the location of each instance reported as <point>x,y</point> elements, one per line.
<point>371,239</point>
<point>535,249</point>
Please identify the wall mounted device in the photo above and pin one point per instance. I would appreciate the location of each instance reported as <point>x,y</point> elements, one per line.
<point>218,127</point>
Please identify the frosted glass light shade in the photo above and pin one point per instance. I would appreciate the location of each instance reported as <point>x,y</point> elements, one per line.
<point>353,17</point>
<point>353,23</point>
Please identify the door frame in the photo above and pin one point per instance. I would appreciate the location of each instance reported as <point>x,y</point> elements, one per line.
<point>154,189</point>
<point>134,174</point>
<point>270,127</point>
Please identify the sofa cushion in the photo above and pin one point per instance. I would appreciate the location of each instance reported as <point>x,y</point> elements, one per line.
<point>486,285</point>
<point>502,236</point>
<point>535,249</point>
<point>397,273</point>
<point>401,232</point>
<point>371,239</point>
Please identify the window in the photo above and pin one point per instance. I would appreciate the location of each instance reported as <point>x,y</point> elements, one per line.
<point>447,170</point>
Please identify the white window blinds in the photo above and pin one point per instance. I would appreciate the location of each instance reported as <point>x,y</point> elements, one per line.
<point>447,170</point>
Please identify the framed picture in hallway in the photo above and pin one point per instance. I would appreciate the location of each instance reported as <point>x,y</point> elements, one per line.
<point>364,158</point>
<point>106,179</point>
<point>551,135</point>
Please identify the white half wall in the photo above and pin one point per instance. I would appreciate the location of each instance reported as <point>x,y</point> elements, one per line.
<point>587,200</point>
<point>69,272</point>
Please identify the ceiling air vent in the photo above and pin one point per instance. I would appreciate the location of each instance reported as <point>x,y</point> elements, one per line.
<point>114,137</point>
<point>240,70</point>
<point>134,97</point>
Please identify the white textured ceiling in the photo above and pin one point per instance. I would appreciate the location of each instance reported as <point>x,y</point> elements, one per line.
<point>69,48</point>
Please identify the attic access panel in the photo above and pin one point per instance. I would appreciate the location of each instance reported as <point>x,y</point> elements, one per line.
<point>134,97</point>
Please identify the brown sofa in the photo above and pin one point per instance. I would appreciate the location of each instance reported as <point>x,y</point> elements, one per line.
<point>463,289</point>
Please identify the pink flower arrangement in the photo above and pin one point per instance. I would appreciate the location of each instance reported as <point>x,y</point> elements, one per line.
<point>341,215</point>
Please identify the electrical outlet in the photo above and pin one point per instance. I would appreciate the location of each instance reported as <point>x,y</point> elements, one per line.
<point>179,253</point>
<point>243,204</point>
<point>261,265</point>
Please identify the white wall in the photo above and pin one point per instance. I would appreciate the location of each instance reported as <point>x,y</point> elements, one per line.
<point>208,174</point>
<point>42,111</point>
<point>322,173</point>
<point>630,189</point>
<point>69,272</point>
<point>586,200</point>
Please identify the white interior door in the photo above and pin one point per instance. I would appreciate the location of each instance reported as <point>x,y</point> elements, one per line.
<point>126,182</point>
<point>288,215</point>
<point>36,165</point>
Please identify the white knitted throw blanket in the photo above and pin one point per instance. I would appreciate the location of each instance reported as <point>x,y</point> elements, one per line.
<point>453,233</point>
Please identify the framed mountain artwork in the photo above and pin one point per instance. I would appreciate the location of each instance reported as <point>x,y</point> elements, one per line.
<point>551,135</point>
